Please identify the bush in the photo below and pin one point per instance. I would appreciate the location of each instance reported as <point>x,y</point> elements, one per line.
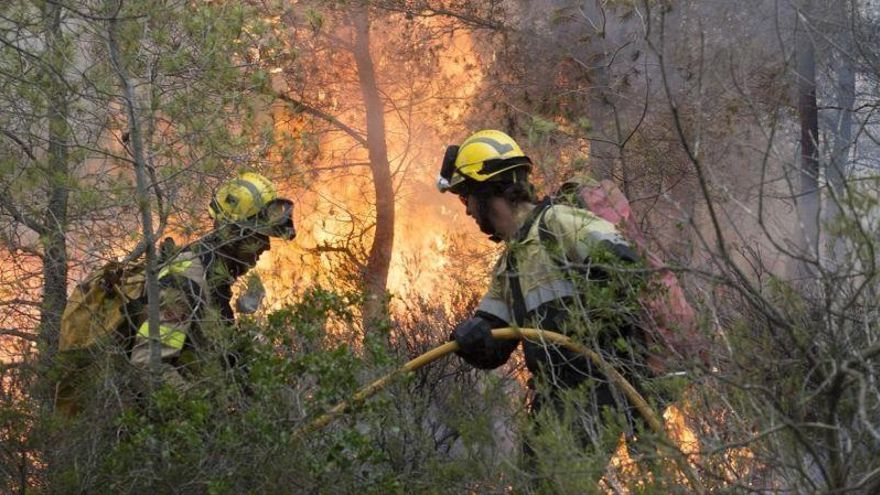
<point>234,430</point>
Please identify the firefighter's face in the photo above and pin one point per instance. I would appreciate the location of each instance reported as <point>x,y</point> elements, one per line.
<point>488,212</point>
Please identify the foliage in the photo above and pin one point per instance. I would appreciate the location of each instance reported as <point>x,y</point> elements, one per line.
<point>444,429</point>
<point>235,430</point>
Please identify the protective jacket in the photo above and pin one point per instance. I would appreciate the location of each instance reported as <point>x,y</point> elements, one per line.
<point>539,282</point>
<point>194,305</point>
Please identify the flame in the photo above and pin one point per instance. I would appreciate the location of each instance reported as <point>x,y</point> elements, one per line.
<point>20,280</point>
<point>624,473</point>
<point>337,204</point>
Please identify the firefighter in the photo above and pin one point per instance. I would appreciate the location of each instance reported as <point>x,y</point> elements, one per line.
<point>557,269</point>
<point>196,284</point>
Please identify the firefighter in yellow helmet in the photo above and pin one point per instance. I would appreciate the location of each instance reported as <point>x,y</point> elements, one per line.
<point>553,255</point>
<point>487,164</point>
<point>196,283</point>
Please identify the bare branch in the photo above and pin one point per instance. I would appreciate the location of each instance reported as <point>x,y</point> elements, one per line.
<point>24,147</point>
<point>425,9</point>
<point>18,333</point>
<point>301,107</point>
<point>26,220</point>
<point>349,254</point>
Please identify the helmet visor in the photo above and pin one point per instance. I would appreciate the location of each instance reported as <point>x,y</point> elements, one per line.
<point>276,219</point>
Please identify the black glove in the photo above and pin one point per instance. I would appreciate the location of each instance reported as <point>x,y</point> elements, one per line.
<point>476,345</point>
<point>474,336</point>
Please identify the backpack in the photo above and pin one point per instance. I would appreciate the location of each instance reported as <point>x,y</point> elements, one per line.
<point>104,307</point>
<point>97,310</point>
<point>667,318</point>
<point>103,312</point>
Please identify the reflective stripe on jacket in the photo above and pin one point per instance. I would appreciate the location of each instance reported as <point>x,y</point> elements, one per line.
<point>183,295</point>
<point>548,264</point>
<point>544,271</point>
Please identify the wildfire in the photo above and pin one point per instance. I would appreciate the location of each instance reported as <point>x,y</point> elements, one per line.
<point>18,282</point>
<point>336,207</point>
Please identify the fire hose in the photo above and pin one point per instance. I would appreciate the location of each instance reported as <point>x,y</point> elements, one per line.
<point>648,414</point>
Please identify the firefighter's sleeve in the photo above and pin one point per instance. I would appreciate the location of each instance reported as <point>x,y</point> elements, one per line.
<point>178,308</point>
<point>492,312</point>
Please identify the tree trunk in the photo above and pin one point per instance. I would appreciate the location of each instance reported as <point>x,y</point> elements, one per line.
<point>142,187</point>
<point>379,260</point>
<point>845,89</point>
<point>808,200</point>
<point>54,297</point>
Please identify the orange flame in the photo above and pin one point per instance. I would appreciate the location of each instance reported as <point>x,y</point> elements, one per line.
<point>338,201</point>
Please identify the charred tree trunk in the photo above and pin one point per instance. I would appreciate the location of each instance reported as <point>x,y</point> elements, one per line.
<point>54,297</point>
<point>379,260</point>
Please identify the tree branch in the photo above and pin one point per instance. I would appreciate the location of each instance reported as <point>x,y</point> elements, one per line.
<point>424,9</point>
<point>18,333</point>
<point>18,216</point>
<point>19,302</point>
<point>24,147</point>
<point>142,187</point>
<point>300,107</point>
<point>328,248</point>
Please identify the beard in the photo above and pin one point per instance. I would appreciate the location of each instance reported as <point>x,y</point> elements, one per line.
<point>484,222</point>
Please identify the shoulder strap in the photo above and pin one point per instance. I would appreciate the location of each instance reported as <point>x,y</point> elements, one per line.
<point>188,271</point>
<point>621,250</point>
<point>536,213</point>
<point>544,232</point>
<point>547,236</point>
<point>519,302</point>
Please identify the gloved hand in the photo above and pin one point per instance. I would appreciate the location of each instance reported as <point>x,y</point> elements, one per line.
<point>473,336</point>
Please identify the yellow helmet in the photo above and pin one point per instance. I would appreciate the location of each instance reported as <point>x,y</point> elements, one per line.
<point>252,201</point>
<point>484,156</point>
<point>242,198</point>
